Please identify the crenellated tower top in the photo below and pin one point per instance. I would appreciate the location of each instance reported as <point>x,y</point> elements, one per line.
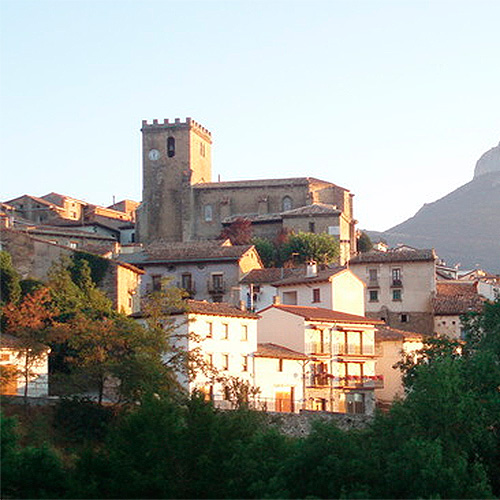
<point>177,123</point>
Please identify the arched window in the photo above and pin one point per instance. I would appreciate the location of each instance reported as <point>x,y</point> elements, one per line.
<point>170,147</point>
<point>286,203</point>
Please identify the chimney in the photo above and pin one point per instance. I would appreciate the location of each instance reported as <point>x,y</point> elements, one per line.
<point>311,269</point>
<point>243,306</point>
<point>276,300</point>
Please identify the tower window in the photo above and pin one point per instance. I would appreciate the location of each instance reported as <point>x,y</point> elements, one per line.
<point>170,147</point>
<point>208,213</point>
<point>287,203</point>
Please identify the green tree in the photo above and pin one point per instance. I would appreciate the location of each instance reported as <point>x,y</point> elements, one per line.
<point>10,288</point>
<point>364,243</point>
<point>320,247</point>
<point>266,250</point>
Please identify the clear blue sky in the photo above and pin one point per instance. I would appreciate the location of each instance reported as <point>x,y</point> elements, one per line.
<point>394,100</point>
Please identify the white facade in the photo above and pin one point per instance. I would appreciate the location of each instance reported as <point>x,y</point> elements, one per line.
<point>340,375</point>
<point>38,380</point>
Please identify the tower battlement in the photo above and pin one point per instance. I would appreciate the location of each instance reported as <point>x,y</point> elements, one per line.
<point>176,124</point>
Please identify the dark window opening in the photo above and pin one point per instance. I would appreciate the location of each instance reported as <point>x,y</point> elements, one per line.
<point>170,147</point>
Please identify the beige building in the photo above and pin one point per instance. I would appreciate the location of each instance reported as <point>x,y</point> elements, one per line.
<point>453,299</point>
<point>340,375</point>
<point>33,257</point>
<point>206,270</point>
<point>181,203</point>
<point>400,286</point>
<point>391,346</point>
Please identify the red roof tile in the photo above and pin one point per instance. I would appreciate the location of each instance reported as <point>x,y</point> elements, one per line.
<point>270,350</point>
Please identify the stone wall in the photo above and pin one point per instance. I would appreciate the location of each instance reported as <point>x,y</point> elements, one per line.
<point>300,424</point>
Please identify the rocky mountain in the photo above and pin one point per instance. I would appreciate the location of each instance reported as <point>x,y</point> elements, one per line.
<point>463,226</point>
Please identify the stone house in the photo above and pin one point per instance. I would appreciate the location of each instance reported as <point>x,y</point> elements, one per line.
<point>206,270</point>
<point>181,203</point>
<point>453,299</point>
<point>390,347</point>
<point>12,361</point>
<point>400,285</point>
<point>340,375</point>
<point>32,257</point>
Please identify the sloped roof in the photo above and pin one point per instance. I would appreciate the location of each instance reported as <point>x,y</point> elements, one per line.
<point>10,342</point>
<point>255,218</point>
<point>268,275</point>
<point>270,350</point>
<point>386,333</point>
<point>321,314</point>
<point>300,277</point>
<point>199,251</point>
<point>292,181</point>
<point>313,209</point>
<point>455,297</point>
<point>41,201</point>
<point>403,255</point>
<point>218,309</point>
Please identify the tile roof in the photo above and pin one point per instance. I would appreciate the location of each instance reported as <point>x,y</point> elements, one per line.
<point>41,201</point>
<point>455,298</point>
<point>321,314</point>
<point>255,218</point>
<point>292,181</point>
<point>218,309</point>
<point>386,333</point>
<point>199,251</point>
<point>268,275</point>
<point>313,209</point>
<point>301,278</point>
<point>10,342</point>
<point>403,255</point>
<point>270,350</point>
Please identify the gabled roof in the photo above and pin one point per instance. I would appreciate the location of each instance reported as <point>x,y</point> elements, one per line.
<point>321,314</point>
<point>41,201</point>
<point>386,333</point>
<point>403,255</point>
<point>301,278</point>
<point>199,251</point>
<point>268,275</point>
<point>218,309</point>
<point>457,297</point>
<point>270,350</point>
<point>313,209</point>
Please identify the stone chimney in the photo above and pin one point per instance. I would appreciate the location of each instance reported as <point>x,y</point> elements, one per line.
<point>276,300</point>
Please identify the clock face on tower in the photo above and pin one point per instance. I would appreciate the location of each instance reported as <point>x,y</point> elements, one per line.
<point>154,154</point>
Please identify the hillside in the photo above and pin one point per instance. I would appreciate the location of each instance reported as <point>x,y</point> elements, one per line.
<point>463,226</point>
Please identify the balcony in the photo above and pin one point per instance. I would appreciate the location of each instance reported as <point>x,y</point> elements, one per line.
<point>361,382</point>
<point>396,283</point>
<point>217,286</point>
<point>320,380</point>
<point>354,349</point>
<point>318,348</point>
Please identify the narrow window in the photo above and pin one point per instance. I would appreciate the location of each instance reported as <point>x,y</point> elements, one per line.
<point>280,365</point>
<point>244,365</point>
<point>225,331</point>
<point>244,332</point>
<point>316,295</point>
<point>396,295</point>
<point>396,277</point>
<point>373,295</point>
<point>210,328</point>
<point>187,282</point>
<point>312,227</point>
<point>225,361</point>
<point>156,280</point>
<point>208,213</point>
<point>286,203</point>
<point>404,318</point>
<point>170,147</point>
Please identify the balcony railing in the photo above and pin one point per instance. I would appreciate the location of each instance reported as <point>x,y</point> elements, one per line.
<point>318,348</point>
<point>397,283</point>
<point>361,382</point>
<point>354,349</point>
<point>320,380</point>
<point>216,286</point>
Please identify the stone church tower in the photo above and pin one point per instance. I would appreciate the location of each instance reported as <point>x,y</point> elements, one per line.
<point>175,156</point>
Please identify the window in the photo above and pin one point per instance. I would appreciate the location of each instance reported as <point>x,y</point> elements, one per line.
<point>280,365</point>
<point>225,331</point>
<point>404,318</point>
<point>170,147</point>
<point>355,403</point>
<point>210,329</point>
<point>373,276</point>
<point>156,281</point>
<point>244,364</point>
<point>316,295</point>
<point>73,244</point>
<point>286,203</point>
<point>396,295</point>
<point>312,227</point>
<point>290,298</point>
<point>244,332</point>
<point>208,215</point>
<point>373,295</point>
<point>225,361</point>
<point>396,277</point>
<point>202,149</point>
<point>187,281</point>
<point>209,359</point>
<point>217,282</point>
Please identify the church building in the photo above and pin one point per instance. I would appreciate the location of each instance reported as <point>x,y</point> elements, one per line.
<point>181,203</point>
